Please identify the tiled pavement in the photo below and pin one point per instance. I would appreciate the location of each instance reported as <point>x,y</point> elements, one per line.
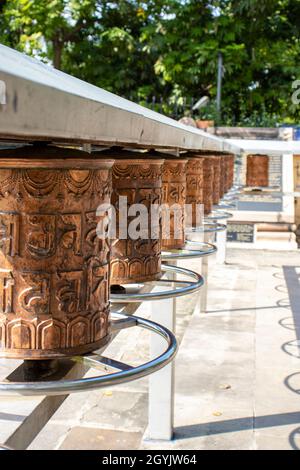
<point>237,371</point>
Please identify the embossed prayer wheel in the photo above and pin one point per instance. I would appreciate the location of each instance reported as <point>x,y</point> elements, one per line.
<point>231,170</point>
<point>208,183</point>
<point>227,171</point>
<point>174,196</point>
<point>139,179</point>
<point>223,176</point>
<point>194,186</point>
<point>217,180</point>
<point>54,268</point>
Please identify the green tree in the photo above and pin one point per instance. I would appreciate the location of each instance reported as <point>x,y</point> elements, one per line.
<point>46,28</point>
<point>169,49</point>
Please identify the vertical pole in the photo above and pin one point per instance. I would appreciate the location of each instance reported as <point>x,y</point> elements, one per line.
<point>161,383</point>
<point>204,290</point>
<point>87,148</point>
<point>219,84</point>
<point>221,241</point>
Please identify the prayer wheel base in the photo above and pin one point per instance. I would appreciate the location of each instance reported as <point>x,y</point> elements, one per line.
<point>123,281</point>
<point>48,354</point>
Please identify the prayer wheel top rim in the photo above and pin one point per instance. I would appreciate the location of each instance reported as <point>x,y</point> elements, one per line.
<point>137,161</point>
<point>40,164</point>
<point>45,157</point>
<point>206,153</point>
<point>176,160</point>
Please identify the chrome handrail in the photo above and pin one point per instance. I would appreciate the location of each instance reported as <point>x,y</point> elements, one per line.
<point>191,250</point>
<point>218,215</point>
<point>207,227</point>
<point>188,287</point>
<point>224,205</point>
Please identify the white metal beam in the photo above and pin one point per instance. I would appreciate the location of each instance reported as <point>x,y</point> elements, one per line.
<point>41,103</point>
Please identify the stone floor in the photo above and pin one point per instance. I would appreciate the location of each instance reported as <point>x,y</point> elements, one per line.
<point>237,370</point>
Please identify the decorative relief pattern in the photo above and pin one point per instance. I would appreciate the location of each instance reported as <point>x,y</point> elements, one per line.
<point>142,170</point>
<point>216,182</point>
<point>194,185</point>
<point>6,292</point>
<point>232,161</point>
<point>230,172</point>
<point>48,232</point>
<point>9,233</point>
<point>54,269</point>
<point>43,183</point>
<point>208,182</point>
<point>33,296</point>
<point>173,192</point>
<point>223,176</point>
<point>136,260</point>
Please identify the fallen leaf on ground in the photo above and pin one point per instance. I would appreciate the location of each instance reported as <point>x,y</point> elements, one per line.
<point>224,386</point>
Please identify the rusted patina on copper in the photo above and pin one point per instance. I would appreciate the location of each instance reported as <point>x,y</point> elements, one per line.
<point>139,179</point>
<point>208,183</point>
<point>174,196</point>
<point>194,185</point>
<point>54,268</point>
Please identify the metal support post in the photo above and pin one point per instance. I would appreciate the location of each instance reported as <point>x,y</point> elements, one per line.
<point>161,383</point>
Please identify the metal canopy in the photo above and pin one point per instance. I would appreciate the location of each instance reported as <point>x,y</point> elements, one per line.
<point>41,103</point>
<point>267,147</point>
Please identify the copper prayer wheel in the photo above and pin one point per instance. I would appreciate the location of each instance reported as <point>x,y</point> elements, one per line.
<point>208,183</point>
<point>223,176</point>
<point>231,170</point>
<point>139,180</point>
<point>54,268</point>
<point>217,180</point>
<point>227,175</point>
<point>174,196</point>
<point>194,185</point>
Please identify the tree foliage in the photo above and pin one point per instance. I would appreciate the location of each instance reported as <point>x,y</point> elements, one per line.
<point>169,49</point>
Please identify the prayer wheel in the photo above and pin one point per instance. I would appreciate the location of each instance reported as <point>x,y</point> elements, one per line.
<point>194,185</point>
<point>54,268</point>
<point>231,170</point>
<point>208,183</point>
<point>173,198</point>
<point>227,173</point>
<point>223,176</point>
<point>138,180</point>
<point>217,179</point>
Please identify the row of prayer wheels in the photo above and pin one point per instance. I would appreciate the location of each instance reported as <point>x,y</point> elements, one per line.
<point>56,271</point>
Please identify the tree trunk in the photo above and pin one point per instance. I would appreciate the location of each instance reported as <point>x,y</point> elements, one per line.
<point>57,53</point>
